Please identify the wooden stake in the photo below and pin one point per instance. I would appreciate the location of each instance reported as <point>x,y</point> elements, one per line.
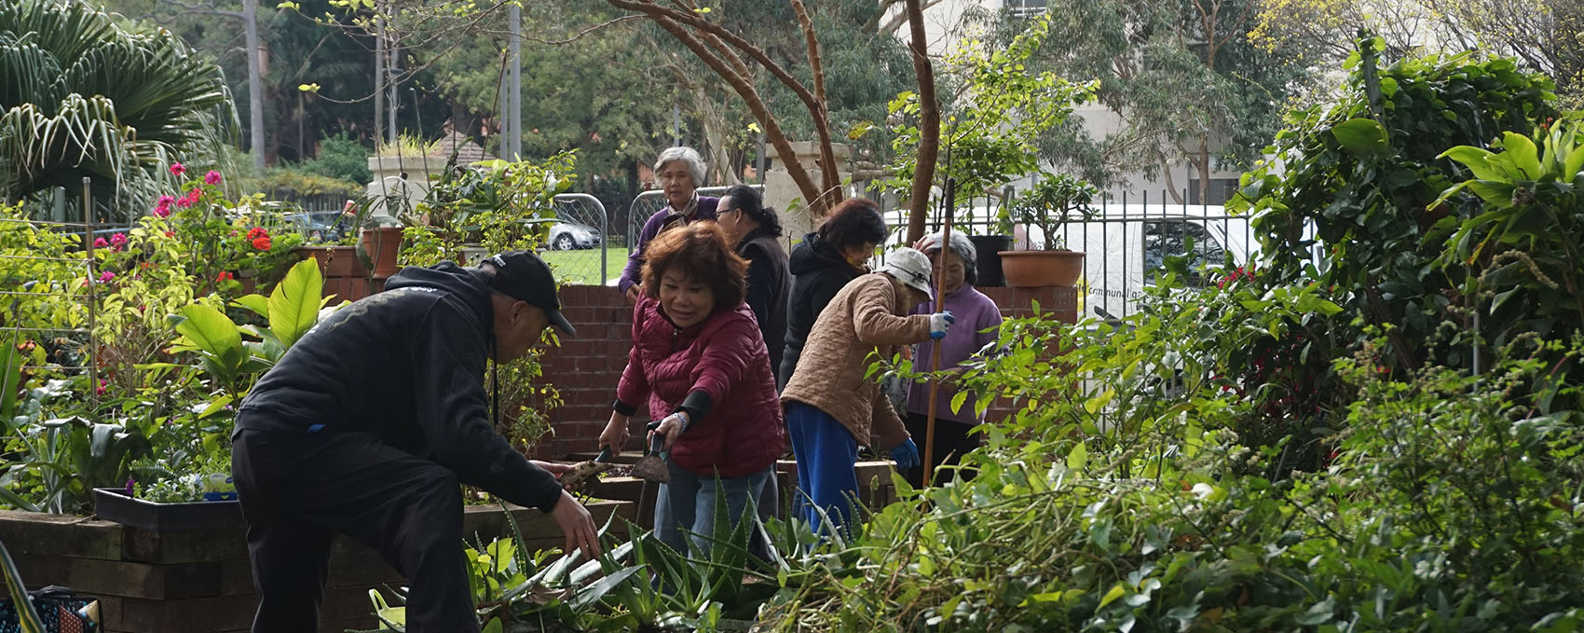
<point>935,346</point>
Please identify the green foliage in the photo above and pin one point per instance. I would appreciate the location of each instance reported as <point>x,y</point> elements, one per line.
<point>340,157</point>
<point>1006,106</point>
<point>1518,249</point>
<point>1357,178</point>
<point>1052,202</point>
<point>305,180</point>
<point>496,204</point>
<point>85,98</point>
<point>1182,78</point>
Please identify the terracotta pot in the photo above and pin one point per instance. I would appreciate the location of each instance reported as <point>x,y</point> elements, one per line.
<point>334,261</point>
<point>1037,269</point>
<point>382,245</point>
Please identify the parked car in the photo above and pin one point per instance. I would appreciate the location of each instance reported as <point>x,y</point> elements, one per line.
<point>566,236</point>
<point>321,226</point>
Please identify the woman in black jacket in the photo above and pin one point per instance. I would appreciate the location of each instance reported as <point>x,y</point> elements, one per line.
<point>824,262</point>
<point>756,232</point>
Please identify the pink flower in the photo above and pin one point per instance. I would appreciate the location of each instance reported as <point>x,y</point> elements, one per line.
<point>106,276</point>
<point>162,208</point>
<point>118,241</point>
<point>190,198</point>
<point>100,242</point>
<point>177,169</point>
<point>212,178</point>
<point>100,389</point>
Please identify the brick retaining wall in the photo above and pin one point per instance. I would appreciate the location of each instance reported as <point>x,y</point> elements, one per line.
<point>586,369</point>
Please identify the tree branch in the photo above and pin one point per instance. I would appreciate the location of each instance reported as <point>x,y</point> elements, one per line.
<point>818,200</point>
<point>579,35</point>
<point>829,176</point>
<point>744,89</point>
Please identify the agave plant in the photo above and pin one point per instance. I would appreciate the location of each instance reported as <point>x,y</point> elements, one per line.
<point>80,96</point>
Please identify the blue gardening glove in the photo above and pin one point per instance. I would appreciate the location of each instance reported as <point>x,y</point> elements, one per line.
<point>939,322</point>
<point>906,455</point>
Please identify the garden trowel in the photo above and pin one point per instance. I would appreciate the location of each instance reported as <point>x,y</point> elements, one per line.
<point>652,467</point>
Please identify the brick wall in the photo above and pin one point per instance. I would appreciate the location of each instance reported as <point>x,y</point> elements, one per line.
<point>586,369</point>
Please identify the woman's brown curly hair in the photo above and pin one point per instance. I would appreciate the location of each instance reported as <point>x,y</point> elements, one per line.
<point>697,250</point>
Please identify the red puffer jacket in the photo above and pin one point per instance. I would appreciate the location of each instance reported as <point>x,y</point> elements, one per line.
<point>725,358</point>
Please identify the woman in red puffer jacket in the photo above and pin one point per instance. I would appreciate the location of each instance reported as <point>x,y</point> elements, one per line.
<point>698,359</point>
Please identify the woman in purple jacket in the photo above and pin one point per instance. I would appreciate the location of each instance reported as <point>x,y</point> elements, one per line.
<point>978,320</point>
<point>679,171</point>
<point>699,361</point>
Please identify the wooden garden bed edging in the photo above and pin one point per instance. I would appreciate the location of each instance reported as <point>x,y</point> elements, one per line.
<point>200,581</point>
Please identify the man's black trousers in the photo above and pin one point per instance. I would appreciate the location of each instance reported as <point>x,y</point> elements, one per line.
<point>300,489</point>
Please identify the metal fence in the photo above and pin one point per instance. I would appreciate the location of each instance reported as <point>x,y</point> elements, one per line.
<point>578,245</point>
<point>1127,241</point>
<point>648,202</point>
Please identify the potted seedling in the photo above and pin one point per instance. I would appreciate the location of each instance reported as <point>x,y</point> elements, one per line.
<point>1056,200</point>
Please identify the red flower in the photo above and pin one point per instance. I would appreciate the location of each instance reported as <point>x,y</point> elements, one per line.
<point>177,169</point>
<point>170,234</point>
<point>100,390</point>
<point>224,276</point>
<point>261,243</point>
<point>257,232</point>
<point>212,178</point>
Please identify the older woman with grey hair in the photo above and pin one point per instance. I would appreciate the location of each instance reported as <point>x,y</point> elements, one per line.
<point>679,171</point>
<point>978,322</point>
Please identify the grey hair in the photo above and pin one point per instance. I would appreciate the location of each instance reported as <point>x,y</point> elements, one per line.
<point>688,155</point>
<point>963,247</point>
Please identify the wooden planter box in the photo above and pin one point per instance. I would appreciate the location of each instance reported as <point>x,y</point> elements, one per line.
<point>200,581</point>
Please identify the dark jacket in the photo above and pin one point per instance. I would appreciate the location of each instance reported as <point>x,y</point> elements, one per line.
<point>719,372</point>
<point>632,274</point>
<point>818,273</point>
<point>405,366</point>
<point>769,288</point>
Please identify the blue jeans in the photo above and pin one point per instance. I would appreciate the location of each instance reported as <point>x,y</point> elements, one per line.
<point>826,456</point>
<point>688,503</point>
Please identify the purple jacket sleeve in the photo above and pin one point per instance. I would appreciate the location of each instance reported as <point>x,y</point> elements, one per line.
<point>630,274</point>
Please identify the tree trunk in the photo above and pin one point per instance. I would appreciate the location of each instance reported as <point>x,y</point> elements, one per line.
<point>255,82</point>
<point>929,125</point>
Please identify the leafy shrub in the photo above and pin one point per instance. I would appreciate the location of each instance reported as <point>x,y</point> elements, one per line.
<point>340,157</point>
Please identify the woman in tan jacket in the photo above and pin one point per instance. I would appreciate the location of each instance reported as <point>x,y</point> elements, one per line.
<point>830,408</point>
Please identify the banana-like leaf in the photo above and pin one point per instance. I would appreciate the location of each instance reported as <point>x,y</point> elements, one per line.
<point>294,304</point>
<point>217,335</point>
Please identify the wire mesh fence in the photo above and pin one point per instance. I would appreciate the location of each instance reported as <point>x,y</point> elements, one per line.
<point>577,245</point>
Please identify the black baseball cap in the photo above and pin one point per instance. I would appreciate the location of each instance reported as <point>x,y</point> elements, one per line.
<point>521,275</point>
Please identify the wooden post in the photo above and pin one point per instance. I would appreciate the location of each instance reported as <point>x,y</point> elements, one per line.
<point>935,347</point>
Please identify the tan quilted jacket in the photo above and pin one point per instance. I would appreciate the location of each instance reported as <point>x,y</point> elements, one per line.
<point>866,316</point>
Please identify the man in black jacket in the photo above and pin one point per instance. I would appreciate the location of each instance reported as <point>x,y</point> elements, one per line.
<point>367,426</point>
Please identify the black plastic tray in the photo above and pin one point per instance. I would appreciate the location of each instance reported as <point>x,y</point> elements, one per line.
<point>112,504</point>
